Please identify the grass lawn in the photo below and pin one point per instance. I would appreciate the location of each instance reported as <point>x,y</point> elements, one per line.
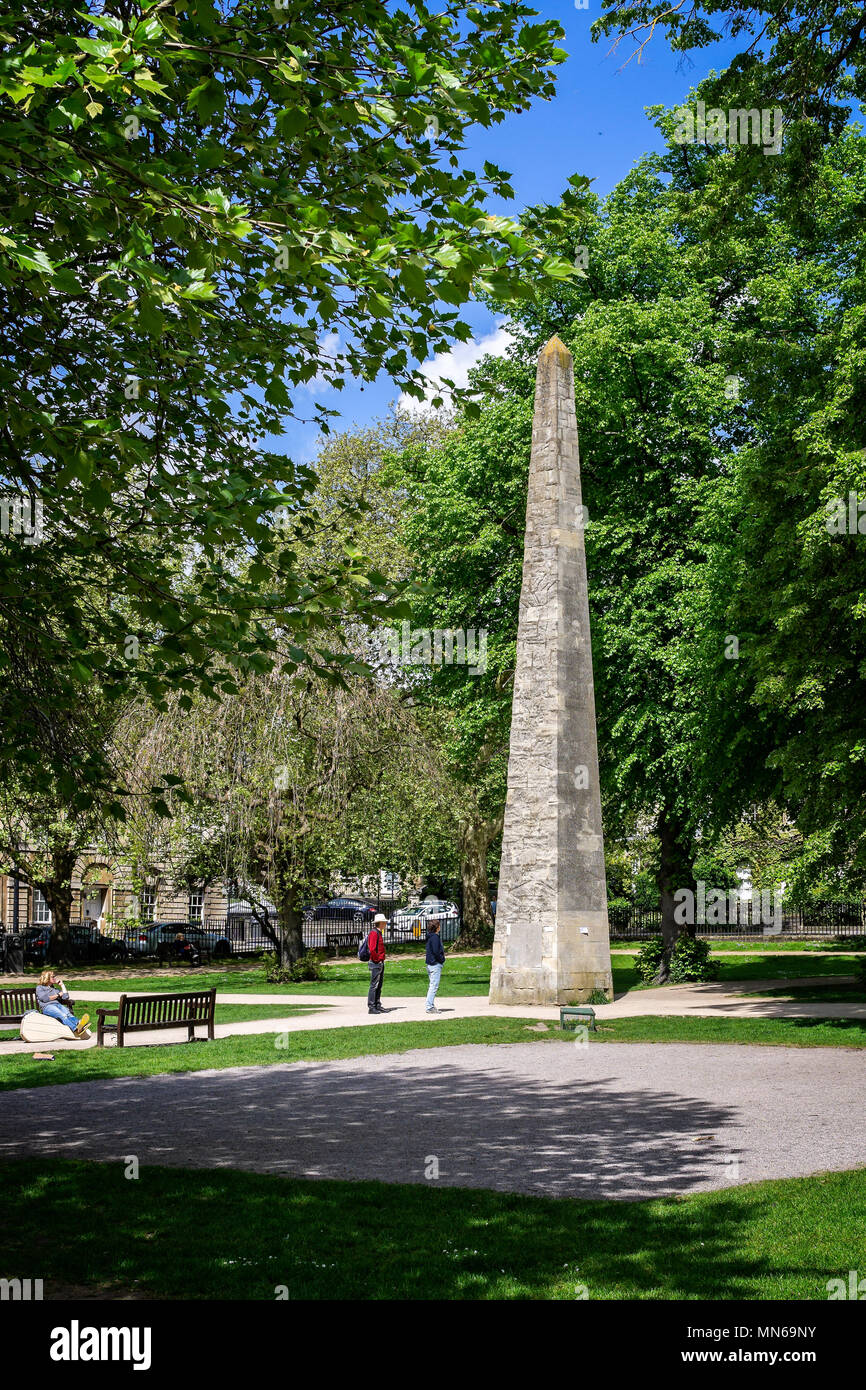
<point>217,1234</point>
<point>773,945</point>
<point>766,966</point>
<point>406,975</point>
<point>760,966</point>
<point>466,975</point>
<point>334,1044</point>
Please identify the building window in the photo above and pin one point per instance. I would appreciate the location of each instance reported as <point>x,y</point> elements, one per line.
<point>147,902</point>
<point>41,910</point>
<point>196,903</point>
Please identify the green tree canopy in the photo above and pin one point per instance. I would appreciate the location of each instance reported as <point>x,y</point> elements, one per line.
<point>716,339</point>
<point>206,210</point>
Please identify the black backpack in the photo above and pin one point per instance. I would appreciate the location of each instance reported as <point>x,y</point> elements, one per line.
<point>364,948</point>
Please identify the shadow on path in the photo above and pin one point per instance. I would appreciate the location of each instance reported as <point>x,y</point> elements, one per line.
<point>487,1128</point>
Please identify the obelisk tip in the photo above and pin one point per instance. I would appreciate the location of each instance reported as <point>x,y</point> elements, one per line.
<point>557,346</point>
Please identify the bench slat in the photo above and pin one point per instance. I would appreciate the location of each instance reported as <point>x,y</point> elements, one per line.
<point>16,1002</point>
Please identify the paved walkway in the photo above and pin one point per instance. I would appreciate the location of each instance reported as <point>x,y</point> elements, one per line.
<point>609,1120</point>
<point>350,1011</point>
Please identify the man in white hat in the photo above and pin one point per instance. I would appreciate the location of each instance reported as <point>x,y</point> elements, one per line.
<point>376,947</point>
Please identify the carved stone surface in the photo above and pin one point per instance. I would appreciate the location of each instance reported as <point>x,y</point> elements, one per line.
<point>552,944</point>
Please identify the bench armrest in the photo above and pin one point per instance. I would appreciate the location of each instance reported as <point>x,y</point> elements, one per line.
<point>105,1013</point>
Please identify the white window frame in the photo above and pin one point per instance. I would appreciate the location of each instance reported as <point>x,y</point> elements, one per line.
<point>195,910</point>
<point>147,902</point>
<point>42,914</point>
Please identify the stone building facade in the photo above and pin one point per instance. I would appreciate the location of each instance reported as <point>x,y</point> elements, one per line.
<point>104,895</point>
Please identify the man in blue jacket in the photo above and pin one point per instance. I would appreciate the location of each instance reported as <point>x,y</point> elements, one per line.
<point>435,962</point>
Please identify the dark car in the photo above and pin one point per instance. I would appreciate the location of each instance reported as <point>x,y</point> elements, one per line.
<point>36,943</point>
<point>88,943</point>
<point>339,920</point>
<point>353,911</point>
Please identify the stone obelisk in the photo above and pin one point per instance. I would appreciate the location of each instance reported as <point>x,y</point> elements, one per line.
<point>552,944</point>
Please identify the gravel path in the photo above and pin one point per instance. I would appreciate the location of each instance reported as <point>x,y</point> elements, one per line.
<point>608,1120</point>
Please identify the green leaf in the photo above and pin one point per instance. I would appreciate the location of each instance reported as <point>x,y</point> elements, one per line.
<point>97,48</point>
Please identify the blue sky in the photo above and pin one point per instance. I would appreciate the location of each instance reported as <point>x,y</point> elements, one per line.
<point>596,125</point>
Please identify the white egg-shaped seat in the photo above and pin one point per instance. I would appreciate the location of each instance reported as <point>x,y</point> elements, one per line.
<point>36,1027</point>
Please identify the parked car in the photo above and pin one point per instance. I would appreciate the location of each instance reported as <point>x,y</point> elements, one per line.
<point>88,943</point>
<point>353,911</point>
<point>339,921</point>
<point>36,942</point>
<point>410,923</point>
<point>158,938</point>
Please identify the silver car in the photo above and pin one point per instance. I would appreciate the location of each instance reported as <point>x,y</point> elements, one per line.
<point>410,923</point>
<point>158,939</point>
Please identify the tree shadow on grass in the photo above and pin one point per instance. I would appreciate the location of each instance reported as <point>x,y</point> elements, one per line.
<point>848,1029</point>
<point>378,1221</point>
<point>229,1235</point>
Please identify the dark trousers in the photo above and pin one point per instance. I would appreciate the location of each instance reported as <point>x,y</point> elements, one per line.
<point>377,974</point>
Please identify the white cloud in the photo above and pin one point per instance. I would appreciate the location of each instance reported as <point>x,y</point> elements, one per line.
<point>328,347</point>
<point>456,364</point>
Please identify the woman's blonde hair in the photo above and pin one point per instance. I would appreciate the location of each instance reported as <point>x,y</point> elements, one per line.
<point>45,977</point>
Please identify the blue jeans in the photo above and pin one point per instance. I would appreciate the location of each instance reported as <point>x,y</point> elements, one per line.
<point>62,1014</point>
<point>435,973</point>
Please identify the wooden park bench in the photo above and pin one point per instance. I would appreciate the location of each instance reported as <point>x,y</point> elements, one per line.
<point>335,937</point>
<point>15,1003</point>
<point>145,1013</point>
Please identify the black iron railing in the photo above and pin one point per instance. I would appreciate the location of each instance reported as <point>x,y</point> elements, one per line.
<point>752,918</point>
<point>339,929</point>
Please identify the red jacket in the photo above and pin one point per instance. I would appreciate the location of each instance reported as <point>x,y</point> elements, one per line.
<point>376,943</point>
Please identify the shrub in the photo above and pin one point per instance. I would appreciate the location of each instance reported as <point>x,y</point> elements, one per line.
<point>690,960</point>
<point>306,967</point>
<point>648,959</point>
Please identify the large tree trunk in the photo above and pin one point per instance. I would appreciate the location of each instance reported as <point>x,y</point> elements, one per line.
<point>675,871</point>
<point>476,836</point>
<point>288,935</point>
<point>57,892</point>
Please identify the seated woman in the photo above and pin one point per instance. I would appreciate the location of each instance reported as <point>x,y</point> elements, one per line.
<point>51,993</point>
